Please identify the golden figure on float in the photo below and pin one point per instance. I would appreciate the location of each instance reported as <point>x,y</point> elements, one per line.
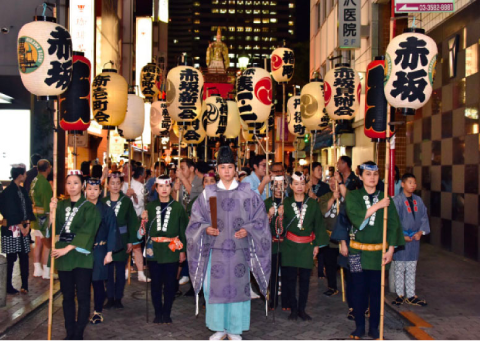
<point>217,55</point>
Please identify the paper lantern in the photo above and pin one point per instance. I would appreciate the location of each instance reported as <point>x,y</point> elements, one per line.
<point>233,120</point>
<point>312,104</point>
<point>410,63</point>
<point>74,103</point>
<point>149,81</point>
<point>254,95</point>
<point>44,51</point>
<point>282,63</point>
<point>215,116</point>
<point>109,98</point>
<point>184,93</point>
<point>375,120</point>
<point>160,121</point>
<point>342,92</point>
<point>193,132</point>
<point>294,117</point>
<point>249,135</point>
<point>132,126</point>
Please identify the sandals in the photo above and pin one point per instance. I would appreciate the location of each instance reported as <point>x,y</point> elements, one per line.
<point>96,318</point>
<point>399,300</point>
<point>357,335</point>
<point>23,291</point>
<point>416,301</point>
<point>350,315</point>
<point>331,292</point>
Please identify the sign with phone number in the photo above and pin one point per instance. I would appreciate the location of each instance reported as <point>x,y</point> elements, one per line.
<point>416,6</point>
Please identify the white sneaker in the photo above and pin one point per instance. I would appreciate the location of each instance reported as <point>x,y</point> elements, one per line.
<point>46,272</point>
<point>218,336</point>
<point>142,277</point>
<point>38,272</point>
<point>234,337</point>
<point>126,274</point>
<point>184,280</point>
<point>253,296</point>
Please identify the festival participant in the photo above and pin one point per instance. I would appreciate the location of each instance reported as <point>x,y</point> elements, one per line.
<point>150,186</point>
<point>221,258</point>
<point>128,223</point>
<point>259,178</point>
<point>305,232</point>
<point>33,172</point>
<point>41,194</point>
<point>364,208</point>
<point>103,247</point>
<point>190,183</point>
<point>208,179</point>
<point>415,224</point>
<point>271,205</point>
<point>76,223</point>
<point>165,247</point>
<point>344,165</point>
<point>16,208</point>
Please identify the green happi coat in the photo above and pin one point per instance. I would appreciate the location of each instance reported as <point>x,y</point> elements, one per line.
<point>177,224</point>
<point>41,194</point>
<point>356,211</point>
<point>126,216</point>
<point>276,246</point>
<point>84,225</point>
<point>327,215</point>
<point>296,254</point>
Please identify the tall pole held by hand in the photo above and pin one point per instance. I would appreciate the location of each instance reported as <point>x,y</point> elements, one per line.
<point>129,265</point>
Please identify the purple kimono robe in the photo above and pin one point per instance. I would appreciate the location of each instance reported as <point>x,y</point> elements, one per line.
<point>232,259</point>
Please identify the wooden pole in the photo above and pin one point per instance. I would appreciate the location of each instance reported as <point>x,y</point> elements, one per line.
<point>335,160</point>
<point>74,151</point>
<point>284,133</point>
<point>180,133</point>
<point>52,218</point>
<point>143,155</point>
<point>152,152</point>
<point>106,161</point>
<point>129,266</point>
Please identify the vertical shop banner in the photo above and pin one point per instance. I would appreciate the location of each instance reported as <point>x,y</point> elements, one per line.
<point>82,25</point>
<point>349,24</point>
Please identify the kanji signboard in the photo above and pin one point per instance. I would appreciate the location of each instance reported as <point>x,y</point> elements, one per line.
<point>419,6</point>
<point>349,24</point>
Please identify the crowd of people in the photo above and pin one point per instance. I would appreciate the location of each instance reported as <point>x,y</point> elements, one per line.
<point>235,234</point>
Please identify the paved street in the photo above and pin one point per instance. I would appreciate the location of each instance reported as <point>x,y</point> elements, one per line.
<point>329,315</point>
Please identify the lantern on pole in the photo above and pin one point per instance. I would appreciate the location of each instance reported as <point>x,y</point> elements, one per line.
<point>282,62</point>
<point>75,102</point>
<point>44,51</point>
<point>342,92</point>
<point>233,120</point>
<point>312,104</point>
<point>132,126</point>
<point>254,95</point>
<point>294,117</point>
<point>410,63</point>
<point>160,121</point>
<point>215,116</point>
<point>109,98</point>
<point>193,132</point>
<point>149,81</point>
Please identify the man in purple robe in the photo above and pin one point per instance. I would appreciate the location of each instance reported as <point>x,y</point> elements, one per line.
<point>221,259</point>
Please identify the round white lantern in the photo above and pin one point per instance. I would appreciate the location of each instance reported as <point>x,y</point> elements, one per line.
<point>184,93</point>
<point>214,116</point>
<point>44,50</point>
<point>193,132</point>
<point>132,126</point>
<point>294,117</point>
<point>254,95</point>
<point>410,63</point>
<point>282,62</point>
<point>342,92</point>
<point>160,121</point>
<point>312,104</point>
<point>233,120</point>
<point>149,81</point>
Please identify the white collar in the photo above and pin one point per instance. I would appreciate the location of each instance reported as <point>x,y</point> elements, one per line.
<point>233,185</point>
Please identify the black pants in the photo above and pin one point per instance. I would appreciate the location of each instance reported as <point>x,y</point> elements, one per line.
<point>289,283</point>
<point>76,281</point>
<point>366,287</point>
<point>98,295</point>
<point>330,255</point>
<point>321,262</point>
<point>116,280</point>
<point>11,259</point>
<point>348,287</point>
<point>274,285</point>
<point>164,280</point>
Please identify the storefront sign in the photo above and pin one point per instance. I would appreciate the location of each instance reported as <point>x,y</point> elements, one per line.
<point>423,6</point>
<point>82,24</point>
<point>349,24</point>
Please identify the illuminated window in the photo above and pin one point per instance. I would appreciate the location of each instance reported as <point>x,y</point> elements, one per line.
<point>214,10</point>
<point>196,31</point>
<point>256,29</point>
<point>214,2</point>
<point>196,3</point>
<point>175,41</point>
<point>256,21</point>
<point>264,29</point>
<point>290,31</point>
<point>248,11</point>
<point>248,29</point>
<point>471,60</point>
<point>240,11</point>
<point>291,5</point>
<point>231,2</point>
<point>257,3</point>
<point>240,29</point>
<point>265,3</point>
<point>239,47</point>
<point>273,39</point>
<point>273,19</point>
<point>248,3</point>
<point>256,38</point>
<point>197,38</point>
<point>196,21</point>
<point>265,11</point>
<point>231,38</point>
<point>248,38</point>
<point>197,13</point>
<point>231,55</point>
<point>256,47</point>
<point>273,13</point>
<point>256,11</point>
<point>213,28</point>
<point>223,10</point>
<point>240,2</point>
<point>273,3</point>
<point>231,11</point>
<point>231,28</point>
<point>266,21</point>
<point>196,58</point>
<point>290,23</point>
<point>248,47</point>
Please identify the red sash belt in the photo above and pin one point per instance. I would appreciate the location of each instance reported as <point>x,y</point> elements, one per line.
<point>301,240</point>
<point>275,239</point>
<point>173,243</point>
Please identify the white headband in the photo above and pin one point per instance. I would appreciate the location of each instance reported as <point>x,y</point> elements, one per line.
<point>74,172</point>
<point>298,178</point>
<point>163,181</point>
<point>279,178</point>
<point>18,165</point>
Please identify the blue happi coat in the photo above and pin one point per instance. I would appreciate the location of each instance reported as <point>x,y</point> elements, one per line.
<point>105,241</point>
<point>411,224</point>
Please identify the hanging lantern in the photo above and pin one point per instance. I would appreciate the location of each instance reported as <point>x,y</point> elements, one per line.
<point>233,120</point>
<point>282,63</point>
<point>132,126</point>
<point>109,98</point>
<point>75,102</point>
<point>193,132</point>
<point>375,102</point>
<point>409,70</point>
<point>175,129</point>
<point>184,93</point>
<point>342,92</point>
<point>160,121</point>
<point>294,117</point>
<point>214,116</point>
<point>312,104</point>
<point>44,51</point>
<point>149,81</point>
<point>249,134</point>
<point>254,95</point>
